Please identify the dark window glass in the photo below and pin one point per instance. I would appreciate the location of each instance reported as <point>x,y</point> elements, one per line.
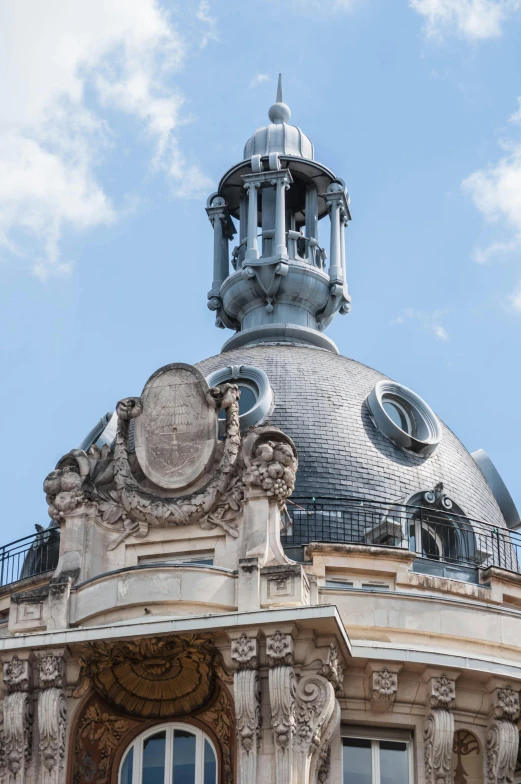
<point>356,761</point>
<point>394,763</point>
<point>128,768</point>
<point>154,759</point>
<point>184,758</point>
<point>210,765</point>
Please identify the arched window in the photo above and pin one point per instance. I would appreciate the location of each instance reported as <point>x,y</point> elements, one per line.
<point>170,754</point>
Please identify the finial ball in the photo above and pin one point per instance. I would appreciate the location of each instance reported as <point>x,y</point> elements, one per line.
<point>279,113</point>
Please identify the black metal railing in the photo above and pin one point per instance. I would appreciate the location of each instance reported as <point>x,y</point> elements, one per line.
<point>431,533</point>
<point>30,556</point>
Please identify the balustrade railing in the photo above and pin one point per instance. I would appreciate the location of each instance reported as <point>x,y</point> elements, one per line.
<point>30,556</point>
<point>431,533</point>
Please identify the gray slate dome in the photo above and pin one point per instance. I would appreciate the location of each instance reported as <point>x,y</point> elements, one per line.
<point>320,403</point>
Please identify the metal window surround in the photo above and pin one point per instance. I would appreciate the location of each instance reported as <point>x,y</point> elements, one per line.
<point>253,377</point>
<point>426,429</point>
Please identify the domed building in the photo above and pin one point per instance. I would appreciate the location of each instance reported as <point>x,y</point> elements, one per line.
<point>276,565</point>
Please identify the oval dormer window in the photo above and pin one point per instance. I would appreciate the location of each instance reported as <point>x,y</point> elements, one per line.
<point>256,400</point>
<point>403,417</point>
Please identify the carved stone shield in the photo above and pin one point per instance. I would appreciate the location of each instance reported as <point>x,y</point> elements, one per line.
<point>176,435</point>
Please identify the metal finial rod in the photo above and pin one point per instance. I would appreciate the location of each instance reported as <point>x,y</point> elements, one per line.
<point>279,90</point>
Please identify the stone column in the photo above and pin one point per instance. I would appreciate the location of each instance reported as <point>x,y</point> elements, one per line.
<point>281,184</point>
<point>18,720</point>
<point>52,718</point>
<point>246,685</point>
<point>502,739</point>
<point>439,730</point>
<point>334,197</point>
<point>252,248</point>
<point>218,216</point>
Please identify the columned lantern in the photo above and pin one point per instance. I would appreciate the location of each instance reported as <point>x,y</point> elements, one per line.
<point>279,282</point>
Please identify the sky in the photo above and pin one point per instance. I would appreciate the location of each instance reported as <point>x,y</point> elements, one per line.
<point>117,120</point>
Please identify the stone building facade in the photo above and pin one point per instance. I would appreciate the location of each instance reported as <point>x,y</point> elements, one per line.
<point>276,566</point>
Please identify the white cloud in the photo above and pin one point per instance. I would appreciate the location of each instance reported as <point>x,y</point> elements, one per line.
<point>429,321</point>
<point>471,19</point>
<point>259,79</point>
<point>496,192</point>
<point>515,298</point>
<point>210,22</point>
<point>66,68</point>
<point>333,6</point>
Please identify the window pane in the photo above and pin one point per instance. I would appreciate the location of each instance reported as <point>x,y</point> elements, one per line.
<point>210,765</point>
<point>394,763</point>
<point>127,768</point>
<point>154,759</point>
<point>184,758</point>
<point>356,761</point>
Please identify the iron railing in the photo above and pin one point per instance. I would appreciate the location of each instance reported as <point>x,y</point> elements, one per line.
<point>30,556</point>
<point>431,533</point>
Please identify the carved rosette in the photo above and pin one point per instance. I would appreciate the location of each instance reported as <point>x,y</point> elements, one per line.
<point>246,684</point>
<point>502,740</point>
<point>439,730</point>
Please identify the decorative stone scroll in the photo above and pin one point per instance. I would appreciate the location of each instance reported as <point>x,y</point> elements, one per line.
<point>439,730</point>
<point>502,739</point>
<point>304,713</point>
<point>52,717</point>
<point>175,428</point>
<point>153,677</point>
<point>18,719</point>
<point>244,655</point>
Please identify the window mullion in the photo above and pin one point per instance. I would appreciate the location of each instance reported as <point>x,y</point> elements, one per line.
<point>375,749</point>
<point>199,758</point>
<point>169,754</point>
<point>138,762</point>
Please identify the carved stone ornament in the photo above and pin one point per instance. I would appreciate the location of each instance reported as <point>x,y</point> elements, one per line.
<point>332,670</point>
<point>51,671</point>
<point>177,450</point>
<point>505,703</point>
<point>279,648</point>
<point>153,677</point>
<point>438,740</point>
<point>248,718</point>
<point>18,732</point>
<point>244,652</point>
<point>442,692</point>
<point>99,733</point>
<point>17,673</point>
<point>52,728</point>
<point>316,715</point>
<point>502,745</point>
<point>384,688</point>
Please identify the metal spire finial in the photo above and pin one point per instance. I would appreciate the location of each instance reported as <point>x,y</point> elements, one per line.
<point>280,112</point>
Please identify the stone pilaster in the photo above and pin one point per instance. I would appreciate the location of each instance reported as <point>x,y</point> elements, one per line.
<point>52,717</point>
<point>246,685</point>
<point>502,739</point>
<point>439,729</point>
<point>18,720</point>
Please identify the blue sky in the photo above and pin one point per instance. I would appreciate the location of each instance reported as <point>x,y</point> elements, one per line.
<point>119,116</point>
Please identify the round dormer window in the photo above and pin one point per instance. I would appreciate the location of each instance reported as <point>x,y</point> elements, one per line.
<point>403,417</point>
<point>256,400</point>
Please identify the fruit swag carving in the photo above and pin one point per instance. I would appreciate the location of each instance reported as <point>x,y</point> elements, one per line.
<point>174,426</point>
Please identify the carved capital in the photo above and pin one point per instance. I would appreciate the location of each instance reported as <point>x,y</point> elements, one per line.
<point>245,653</point>
<point>384,687</point>
<point>505,703</point>
<point>17,674</point>
<point>438,739</point>
<point>441,692</point>
<point>51,671</point>
<point>279,648</point>
<point>502,745</point>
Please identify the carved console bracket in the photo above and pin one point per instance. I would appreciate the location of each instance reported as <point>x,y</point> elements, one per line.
<point>382,685</point>
<point>439,729</point>
<point>246,683</point>
<point>52,717</point>
<point>18,719</point>
<point>502,739</point>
